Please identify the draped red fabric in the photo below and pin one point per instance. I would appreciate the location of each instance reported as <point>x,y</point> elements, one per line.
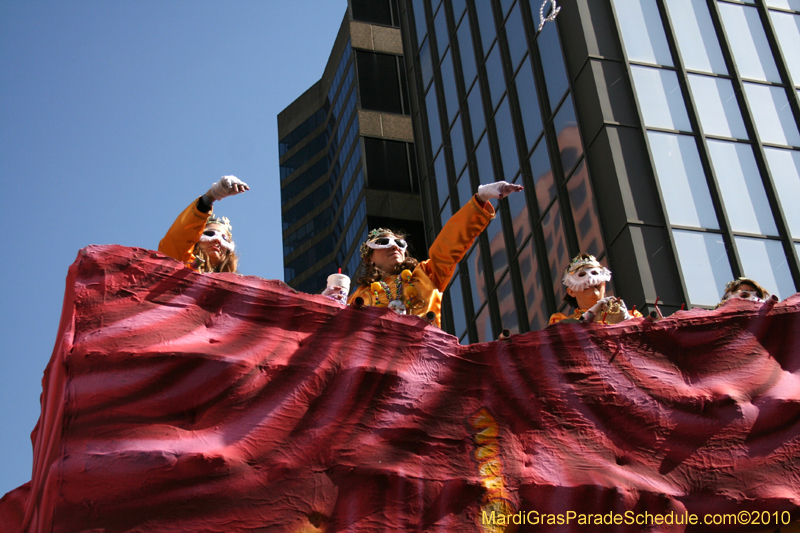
<point>176,401</point>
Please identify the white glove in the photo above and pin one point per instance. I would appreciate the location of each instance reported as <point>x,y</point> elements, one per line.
<point>226,186</point>
<point>596,309</point>
<point>622,314</point>
<point>498,190</point>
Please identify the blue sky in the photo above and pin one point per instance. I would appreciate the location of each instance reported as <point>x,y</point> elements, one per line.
<point>114,116</point>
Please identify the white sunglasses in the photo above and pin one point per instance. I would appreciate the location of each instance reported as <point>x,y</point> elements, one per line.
<point>221,237</point>
<point>387,242</point>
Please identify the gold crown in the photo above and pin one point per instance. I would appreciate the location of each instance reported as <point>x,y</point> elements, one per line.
<point>221,221</point>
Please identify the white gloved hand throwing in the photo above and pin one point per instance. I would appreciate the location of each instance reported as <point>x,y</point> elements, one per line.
<point>226,186</point>
<point>497,190</point>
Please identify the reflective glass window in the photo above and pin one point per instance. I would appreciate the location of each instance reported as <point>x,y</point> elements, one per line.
<point>426,64</point>
<point>486,23</point>
<point>440,173</point>
<point>465,191</point>
<point>785,4</point>
<point>449,87</point>
<point>642,31</point>
<point>459,6</point>
<point>660,98</point>
<point>741,186</point>
<point>542,177</point>
<point>515,34</point>
<point>784,165</point>
<point>468,66</point>
<point>555,73</point>
<point>494,73</point>
<point>748,42</point>
<point>555,242</point>
<point>704,265</point>
<point>507,141</point>
<point>440,27</point>
<point>505,300</point>
<point>483,157</point>
<point>497,247</point>
<point>696,36</point>
<point>457,142</point>
<point>532,285</point>
<point>787,26</point>
<point>717,106</point>
<point>419,19</point>
<point>772,114</point>
<point>483,324</point>
<point>568,135</point>
<point>584,211</point>
<point>476,280</point>
<point>505,5</point>
<point>682,179</point>
<point>457,303</point>
<point>434,128</point>
<point>475,105</point>
<point>528,103</point>
<point>520,222</point>
<point>765,261</point>
<point>447,212</point>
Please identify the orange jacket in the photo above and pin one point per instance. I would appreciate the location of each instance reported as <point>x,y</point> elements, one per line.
<point>185,232</point>
<point>432,276</point>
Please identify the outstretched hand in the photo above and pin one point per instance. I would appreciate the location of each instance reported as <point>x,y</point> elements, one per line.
<point>227,186</point>
<point>497,190</point>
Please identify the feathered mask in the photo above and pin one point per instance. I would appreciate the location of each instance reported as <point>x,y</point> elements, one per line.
<point>585,271</point>
<point>224,237</point>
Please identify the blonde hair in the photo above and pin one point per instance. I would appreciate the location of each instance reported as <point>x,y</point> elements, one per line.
<point>229,263</point>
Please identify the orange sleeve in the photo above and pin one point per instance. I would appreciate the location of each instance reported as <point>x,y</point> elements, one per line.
<point>555,318</point>
<point>454,240</point>
<point>185,232</point>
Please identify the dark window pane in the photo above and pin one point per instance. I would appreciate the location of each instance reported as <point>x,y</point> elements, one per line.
<point>468,66</point>
<point>555,242</point>
<point>458,9</point>
<point>440,27</point>
<point>497,246</point>
<point>532,285</point>
<point>494,72</point>
<point>529,104</point>
<point>508,311</point>
<point>419,19</point>
<point>515,33</point>
<point>484,159</point>
<point>440,172</point>
<point>375,11</point>
<point>505,5</point>
<point>476,280</point>
<point>475,105</point>
<point>518,207</point>
<point>379,82</point>
<point>569,138</point>
<point>449,86</point>
<point>457,304</point>
<point>459,149</point>
<point>555,74</point>
<point>433,120</point>
<point>483,324</point>
<point>387,165</point>
<point>426,64</point>
<point>486,23</point>
<point>464,189</point>
<point>542,177</point>
<point>584,212</point>
<point>507,141</point>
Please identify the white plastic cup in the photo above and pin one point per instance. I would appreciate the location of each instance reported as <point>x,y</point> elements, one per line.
<point>343,282</point>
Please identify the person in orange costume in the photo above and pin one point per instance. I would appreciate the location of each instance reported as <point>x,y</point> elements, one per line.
<point>585,279</point>
<point>200,240</point>
<point>390,278</point>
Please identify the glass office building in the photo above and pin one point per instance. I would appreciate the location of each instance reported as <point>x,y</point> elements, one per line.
<point>659,135</point>
<point>346,151</point>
